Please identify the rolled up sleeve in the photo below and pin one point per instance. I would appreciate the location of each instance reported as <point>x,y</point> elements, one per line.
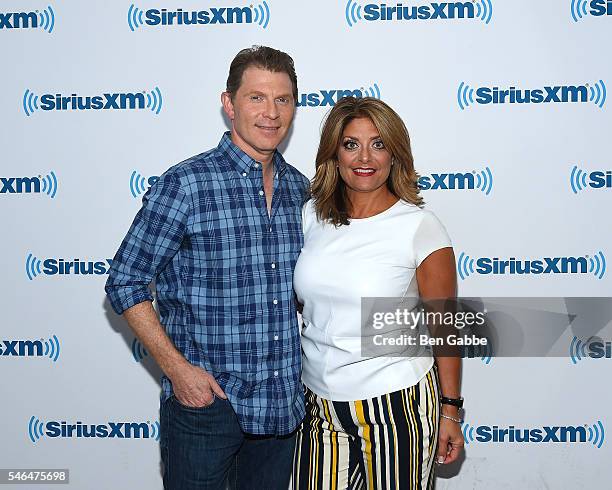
<point>152,241</point>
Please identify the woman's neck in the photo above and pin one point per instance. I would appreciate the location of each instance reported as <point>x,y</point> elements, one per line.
<point>367,204</point>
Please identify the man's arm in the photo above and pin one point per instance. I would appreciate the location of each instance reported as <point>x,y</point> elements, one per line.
<point>152,241</point>
<point>192,385</point>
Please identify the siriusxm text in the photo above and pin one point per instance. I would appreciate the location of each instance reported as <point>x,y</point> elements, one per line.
<point>545,265</point>
<point>19,185</point>
<point>18,20</point>
<point>119,430</point>
<point>105,101</point>
<point>221,15</point>
<point>447,181</point>
<point>434,10</point>
<point>544,434</point>
<point>21,348</point>
<point>53,266</point>
<point>544,95</point>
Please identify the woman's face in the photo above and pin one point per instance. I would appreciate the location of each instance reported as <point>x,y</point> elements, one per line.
<point>363,161</point>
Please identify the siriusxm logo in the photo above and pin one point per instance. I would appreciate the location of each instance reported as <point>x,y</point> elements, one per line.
<point>545,434</point>
<point>594,348</point>
<point>31,348</point>
<point>482,352</point>
<point>138,350</point>
<point>475,9</point>
<point>597,179</point>
<point>138,184</point>
<point>30,185</point>
<point>595,93</point>
<point>596,8</point>
<point>254,14</point>
<point>36,19</point>
<point>481,180</point>
<point>151,100</point>
<point>595,265</point>
<point>51,267</point>
<point>109,430</point>
<point>324,98</point>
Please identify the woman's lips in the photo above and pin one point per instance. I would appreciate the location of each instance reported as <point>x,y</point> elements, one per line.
<point>364,172</point>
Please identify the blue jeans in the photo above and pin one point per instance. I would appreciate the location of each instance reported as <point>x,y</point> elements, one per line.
<point>205,449</point>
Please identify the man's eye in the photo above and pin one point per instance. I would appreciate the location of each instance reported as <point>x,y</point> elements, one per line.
<point>256,97</point>
<point>283,100</point>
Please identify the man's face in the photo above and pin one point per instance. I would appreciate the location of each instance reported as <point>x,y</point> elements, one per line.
<point>261,111</point>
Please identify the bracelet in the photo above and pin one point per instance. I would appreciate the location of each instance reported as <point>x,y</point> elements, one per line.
<point>459,421</point>
<point>456,402</point>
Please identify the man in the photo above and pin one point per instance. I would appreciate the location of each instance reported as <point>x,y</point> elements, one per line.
<point>220,233</point>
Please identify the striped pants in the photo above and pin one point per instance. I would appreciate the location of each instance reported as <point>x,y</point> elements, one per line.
<point>383,443</point>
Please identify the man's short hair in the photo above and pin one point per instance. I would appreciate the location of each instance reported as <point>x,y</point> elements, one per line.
<point>261,57</point>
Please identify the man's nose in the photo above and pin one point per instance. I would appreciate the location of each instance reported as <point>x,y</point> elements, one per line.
<point>271,110</point>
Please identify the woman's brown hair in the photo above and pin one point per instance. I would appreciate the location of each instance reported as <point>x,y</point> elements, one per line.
<point>328,189</point>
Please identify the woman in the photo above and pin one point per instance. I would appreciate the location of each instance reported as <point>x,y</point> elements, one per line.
<point>372,422</point>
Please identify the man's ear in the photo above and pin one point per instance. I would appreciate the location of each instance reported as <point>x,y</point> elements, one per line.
<point>228,106</point>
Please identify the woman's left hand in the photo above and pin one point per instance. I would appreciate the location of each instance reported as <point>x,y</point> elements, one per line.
<point>450,441</point>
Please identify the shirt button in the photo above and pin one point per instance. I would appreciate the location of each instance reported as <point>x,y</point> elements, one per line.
<point>256,165</point>
<point>273,265</point>
<point>275,373</point>
<point>261,193</point>
<point>270,229</point>
<point>276,337</point>
<point>244,174</point>
<point>275,301</point>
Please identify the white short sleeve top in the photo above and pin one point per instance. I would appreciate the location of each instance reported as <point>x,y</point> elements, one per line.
<point>371,257</point>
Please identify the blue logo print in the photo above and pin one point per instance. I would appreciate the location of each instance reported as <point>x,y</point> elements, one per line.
<point>593,347</point>
<point>38,429</point>
<point>44,20</point>
<point>32,348</point>
<point>593,433</point>
<point>35,267</point>
<point>598,179</point>
<point>324,98</point>
<point>484,352</point>
<point>597,8</point>
<point>137,183</point>
<point>476,9</point>
<point>595,93</point>
<point>138,350</point>
<point>30,185</point>
<point>254,14</point>
<point>481,180</point>
<point>151,100</point>
<point>595,265</point>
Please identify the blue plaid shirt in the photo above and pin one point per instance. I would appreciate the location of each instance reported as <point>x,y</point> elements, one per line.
<point>223,271</point>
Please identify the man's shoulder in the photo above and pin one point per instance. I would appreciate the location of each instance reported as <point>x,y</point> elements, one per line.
<point>198,165</point>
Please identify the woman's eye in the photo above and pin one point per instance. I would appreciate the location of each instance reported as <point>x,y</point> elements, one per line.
<point>350,145</point>
<point>378,145</point>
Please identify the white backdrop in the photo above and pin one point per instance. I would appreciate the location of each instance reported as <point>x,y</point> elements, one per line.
<point>68,359</point>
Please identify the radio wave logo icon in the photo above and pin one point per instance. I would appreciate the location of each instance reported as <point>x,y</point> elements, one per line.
<point>49,184</point>
<point>465,95</point>
<point>468,432</point>
<point>578,9</point>
<point>578,179</point>
<point>484,352</point>
<point>35,429</point>
<point>138,350</point>
<point>30,102</point>
<point>597,93</point>
<point>134,17</point>
<point>484,10</point>
<point>138,184</point>
<point>371,91</point>
<point>465,265</point>
<point>261,14</point>
<point>52,348</point>
<point>352,12</point>
<point>46,19</point>
<point>484,180</point>
<point>155,430</point>
<point>578,349</point>
<point>154,100</point>
<point>597,434</point>
<point>33,267</point>
<point>597,264</point>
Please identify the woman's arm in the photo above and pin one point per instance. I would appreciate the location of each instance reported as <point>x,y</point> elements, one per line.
<point>437,279</point>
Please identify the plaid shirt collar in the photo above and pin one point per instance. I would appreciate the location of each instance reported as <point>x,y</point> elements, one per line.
<point>242,162</point>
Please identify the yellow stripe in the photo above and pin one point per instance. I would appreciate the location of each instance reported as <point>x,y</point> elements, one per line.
<point>395,445</point>
<point>366,437</point>
<point>334,446</point>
